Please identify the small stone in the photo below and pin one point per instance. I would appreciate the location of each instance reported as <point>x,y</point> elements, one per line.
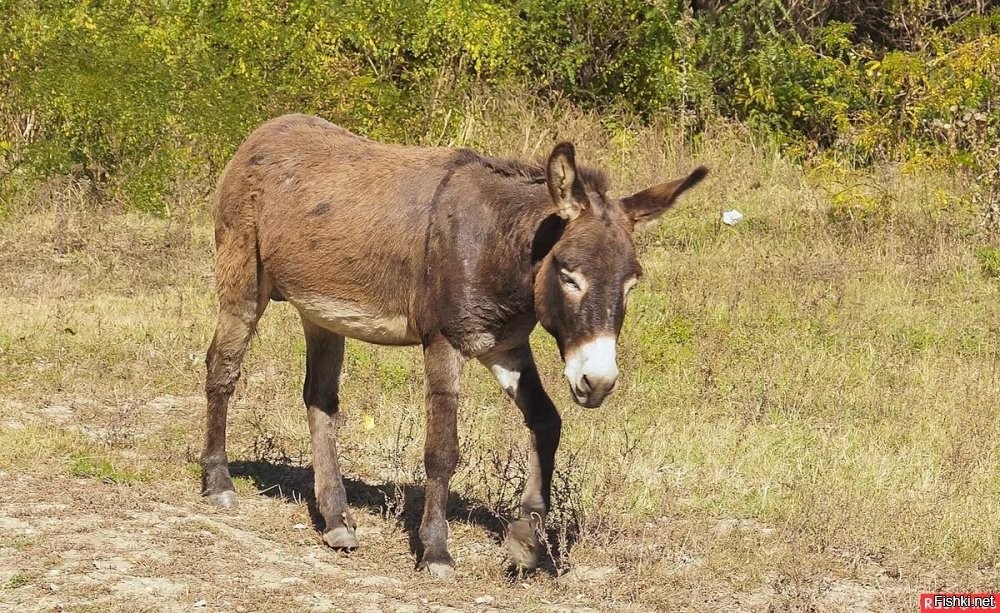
<point>686,559</point>
<point>201,603</point>
<point>299,526</point>
<point>484,600</point>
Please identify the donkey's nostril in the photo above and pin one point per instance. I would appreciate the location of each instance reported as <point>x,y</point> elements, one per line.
<point>598,383</point>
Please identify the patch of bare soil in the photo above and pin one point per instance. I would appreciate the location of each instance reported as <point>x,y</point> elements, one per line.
<point>82,544</point>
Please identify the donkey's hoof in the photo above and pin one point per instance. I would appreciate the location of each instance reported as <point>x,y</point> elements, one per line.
<point>439,570</point>
<point>523,545</point>
<point>225,499</point>
<point>439,566</point>
<point>341,537</point>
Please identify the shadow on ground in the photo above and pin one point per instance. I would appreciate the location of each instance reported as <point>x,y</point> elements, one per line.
<point>295,484</point>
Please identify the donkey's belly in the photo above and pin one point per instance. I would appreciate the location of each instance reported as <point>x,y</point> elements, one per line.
<point>355,320</point>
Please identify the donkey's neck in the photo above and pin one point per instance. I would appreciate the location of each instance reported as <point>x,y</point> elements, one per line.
<point>527,229</point>
<point>531,227</point>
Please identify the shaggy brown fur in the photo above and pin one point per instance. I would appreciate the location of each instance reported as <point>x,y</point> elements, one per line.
<point>445,248</point>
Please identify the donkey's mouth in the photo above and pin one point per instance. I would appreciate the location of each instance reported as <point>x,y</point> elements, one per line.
<point>589,401</point>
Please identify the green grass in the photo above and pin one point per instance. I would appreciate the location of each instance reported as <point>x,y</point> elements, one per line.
<point>17,580</point>
<point>96,467</point>
<point>989,260</point>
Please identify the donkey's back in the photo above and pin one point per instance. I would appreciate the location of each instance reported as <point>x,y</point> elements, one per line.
<point>332,222</point>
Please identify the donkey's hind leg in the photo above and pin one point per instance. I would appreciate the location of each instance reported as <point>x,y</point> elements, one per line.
<point>241,303</point>
<point>324,359</point>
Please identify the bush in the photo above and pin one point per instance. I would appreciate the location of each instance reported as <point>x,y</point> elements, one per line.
<point>133,94</point>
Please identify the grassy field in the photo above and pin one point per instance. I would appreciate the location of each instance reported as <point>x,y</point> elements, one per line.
<point>806,419</point>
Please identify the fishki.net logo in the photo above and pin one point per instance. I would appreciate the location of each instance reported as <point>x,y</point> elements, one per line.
<point>967,603</point>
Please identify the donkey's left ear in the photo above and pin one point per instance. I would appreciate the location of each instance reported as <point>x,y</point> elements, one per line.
<point>645,207</point>
<point>564,184</point>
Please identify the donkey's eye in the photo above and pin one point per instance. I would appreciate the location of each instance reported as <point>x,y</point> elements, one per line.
<point>568,281</point>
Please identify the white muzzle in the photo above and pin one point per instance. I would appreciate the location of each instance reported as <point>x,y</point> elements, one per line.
<point>592,370</point>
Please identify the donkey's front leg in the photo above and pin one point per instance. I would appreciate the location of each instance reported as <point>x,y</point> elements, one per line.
<point>516,372</point>
<point>442,375</point>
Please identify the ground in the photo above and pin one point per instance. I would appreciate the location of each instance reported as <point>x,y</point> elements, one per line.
<point>806,419</point>
<point>82,543</point>
<point>90,544</point>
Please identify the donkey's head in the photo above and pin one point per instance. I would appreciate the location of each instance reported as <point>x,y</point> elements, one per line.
<point>583,282</point>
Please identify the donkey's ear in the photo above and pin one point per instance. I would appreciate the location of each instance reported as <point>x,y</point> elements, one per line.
<point>646,206</point>
<point>564,186</point>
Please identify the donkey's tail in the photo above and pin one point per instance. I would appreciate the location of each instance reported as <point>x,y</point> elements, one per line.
<point>239,276</point>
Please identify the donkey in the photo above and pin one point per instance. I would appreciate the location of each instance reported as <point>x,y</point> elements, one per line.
<point>459,253</point>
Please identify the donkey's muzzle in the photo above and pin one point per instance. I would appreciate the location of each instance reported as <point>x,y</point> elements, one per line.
<point>591,398</point>
<point>592,371</point>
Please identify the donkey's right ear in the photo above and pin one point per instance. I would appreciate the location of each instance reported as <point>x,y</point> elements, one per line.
<point>564,186</point>
<point>645,207</point>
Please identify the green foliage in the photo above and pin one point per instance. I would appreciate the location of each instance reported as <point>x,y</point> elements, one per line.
<point>134,94</point>
<point>989,261</point>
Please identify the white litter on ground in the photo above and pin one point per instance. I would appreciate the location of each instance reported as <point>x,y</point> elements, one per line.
<point>731,218</point>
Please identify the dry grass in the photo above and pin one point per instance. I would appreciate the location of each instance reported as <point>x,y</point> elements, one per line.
<point>806,421</point>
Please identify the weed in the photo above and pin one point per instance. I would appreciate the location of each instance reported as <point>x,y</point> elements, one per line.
<point>989,261</point>
<point>17,580</point>
<point>97,467</point>
<point>265,445</point>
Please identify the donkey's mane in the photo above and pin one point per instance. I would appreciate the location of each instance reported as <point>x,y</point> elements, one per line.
<point>533,172</point>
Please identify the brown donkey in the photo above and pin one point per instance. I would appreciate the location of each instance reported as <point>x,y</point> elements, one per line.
<point>459,253</point>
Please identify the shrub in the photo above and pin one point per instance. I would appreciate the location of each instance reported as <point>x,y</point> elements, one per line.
<point>133,94</point>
